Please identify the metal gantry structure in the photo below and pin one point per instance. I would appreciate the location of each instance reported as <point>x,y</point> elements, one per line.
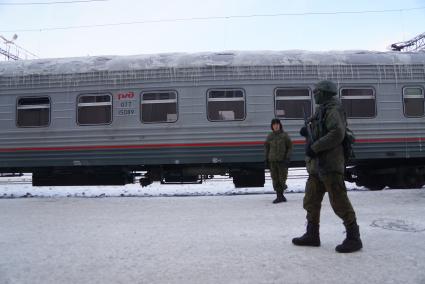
<point>415,44</point>
<point>5,48</point>
<point>11,51</point>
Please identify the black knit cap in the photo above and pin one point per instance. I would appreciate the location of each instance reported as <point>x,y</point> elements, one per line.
<point>274,121</point>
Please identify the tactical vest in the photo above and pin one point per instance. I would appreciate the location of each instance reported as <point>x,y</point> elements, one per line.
<point>349,137</point>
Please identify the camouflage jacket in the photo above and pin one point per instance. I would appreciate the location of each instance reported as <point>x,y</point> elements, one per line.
<point>328,128</point>
<point>278,147</point>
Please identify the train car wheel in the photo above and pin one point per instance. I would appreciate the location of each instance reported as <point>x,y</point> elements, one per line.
<point>412,181</point>
<point>375,187</point>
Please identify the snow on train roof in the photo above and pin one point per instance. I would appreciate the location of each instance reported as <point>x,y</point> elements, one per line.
<point>203,59</point>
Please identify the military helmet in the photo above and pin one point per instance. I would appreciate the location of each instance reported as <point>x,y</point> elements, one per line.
<point>326,86</point>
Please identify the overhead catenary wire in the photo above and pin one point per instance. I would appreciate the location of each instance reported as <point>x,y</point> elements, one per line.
<point>25,50</point>
<point>213,18</point>
<point>49,3</point>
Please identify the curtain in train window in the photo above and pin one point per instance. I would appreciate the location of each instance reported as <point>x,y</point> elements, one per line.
<point>94,109</point>
<point>158,107</point>
<point>226,104</point>
<point>359,102</point>
<point>292,103</point>
<point>33,112</point>
<point>413,101</point>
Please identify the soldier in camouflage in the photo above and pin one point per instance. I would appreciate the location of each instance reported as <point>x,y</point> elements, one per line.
<point>325,165</point>
<point>278,149</point>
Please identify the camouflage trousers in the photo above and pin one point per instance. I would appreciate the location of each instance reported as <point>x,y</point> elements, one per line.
<point>334,185</point>
<point>279,174</point>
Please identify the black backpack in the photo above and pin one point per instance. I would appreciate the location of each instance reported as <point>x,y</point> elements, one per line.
<point>347,144</point>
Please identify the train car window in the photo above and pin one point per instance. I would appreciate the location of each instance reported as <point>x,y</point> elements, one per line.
<point>359,102</point>
<point>33,112</point>
<point>413,101</point>
<point>226,104</point>
<point>160,106</point>
<point>94,109</point>
<point>292,103</point>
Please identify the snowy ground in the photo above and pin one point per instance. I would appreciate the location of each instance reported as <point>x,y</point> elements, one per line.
<point>11,187</point>
<point>207,239</point>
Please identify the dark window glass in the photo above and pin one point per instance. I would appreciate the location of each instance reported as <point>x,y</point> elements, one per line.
<point>225,105</point>
<point>413,101</point>
<point>292,103</point>
<point>225,94</point>
<point>94,99</point>
<point>158,107</point>
<point>159,96</point>
<point>94,109</point>
<point>33,112</point>
<point>359,102</point>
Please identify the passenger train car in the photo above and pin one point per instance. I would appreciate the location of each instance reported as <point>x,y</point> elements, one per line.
<point>183,117</point>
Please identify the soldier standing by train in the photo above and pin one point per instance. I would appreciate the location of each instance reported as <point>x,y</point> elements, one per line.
<point>278,149</point>
<point>325,163</point>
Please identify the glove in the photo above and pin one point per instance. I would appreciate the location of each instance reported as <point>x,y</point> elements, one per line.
<point>309,152</point>
<point>303,131</point>
<point>266,164</point>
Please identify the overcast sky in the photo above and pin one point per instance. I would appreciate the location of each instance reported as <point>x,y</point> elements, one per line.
<point>208,25</point>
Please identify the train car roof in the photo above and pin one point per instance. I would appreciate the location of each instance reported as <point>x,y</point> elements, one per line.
<point>205,59</point>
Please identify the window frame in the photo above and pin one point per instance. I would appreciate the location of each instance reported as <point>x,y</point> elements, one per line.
<point>162,101</point>
<point>226,99</point>
<point>310,93</point>
<point>33,97</point>
<point>89,104</point>
<point>360,97</point>
<point>404,105</point>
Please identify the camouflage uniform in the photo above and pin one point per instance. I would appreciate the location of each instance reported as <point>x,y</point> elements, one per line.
<point>278,149</point>
<point>326,171</point>
<point>325,164</point>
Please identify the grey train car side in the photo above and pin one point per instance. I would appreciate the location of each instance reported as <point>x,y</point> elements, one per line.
<point>181,117</point>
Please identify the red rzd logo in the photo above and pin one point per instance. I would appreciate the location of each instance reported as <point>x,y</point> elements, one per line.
<point>128,95</point>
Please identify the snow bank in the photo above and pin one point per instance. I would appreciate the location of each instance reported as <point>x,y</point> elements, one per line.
<point>203,59</point>
<point>21,187</point>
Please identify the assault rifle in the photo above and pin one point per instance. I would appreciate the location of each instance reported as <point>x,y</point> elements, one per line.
<point>309,136</point>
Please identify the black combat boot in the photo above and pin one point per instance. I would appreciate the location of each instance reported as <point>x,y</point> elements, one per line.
<point>352,242</point>
<point>283,190</point>
<point>279,197</point>
<point>310,238</point>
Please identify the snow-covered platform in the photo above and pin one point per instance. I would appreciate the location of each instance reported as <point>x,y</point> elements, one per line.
<point>207,239</point>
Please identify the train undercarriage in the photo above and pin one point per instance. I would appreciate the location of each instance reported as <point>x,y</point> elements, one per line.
<point>376,175</point>
<point>251,175</point>
<point>243,176</point>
